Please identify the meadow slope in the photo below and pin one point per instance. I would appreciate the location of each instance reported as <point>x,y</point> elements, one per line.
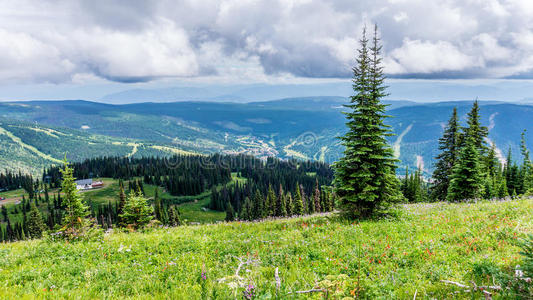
<point>389,259</point>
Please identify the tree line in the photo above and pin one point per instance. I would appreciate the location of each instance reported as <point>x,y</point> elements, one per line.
<point>469,168</point>
<point>188,176</point>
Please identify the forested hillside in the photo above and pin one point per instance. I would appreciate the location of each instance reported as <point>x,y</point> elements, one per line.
<point>243,187</point>
<point>304,128</point>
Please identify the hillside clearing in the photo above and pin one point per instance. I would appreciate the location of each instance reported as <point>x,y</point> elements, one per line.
<point>390,259</point>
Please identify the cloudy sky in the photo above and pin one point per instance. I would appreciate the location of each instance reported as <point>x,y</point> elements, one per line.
<point>86,49</point>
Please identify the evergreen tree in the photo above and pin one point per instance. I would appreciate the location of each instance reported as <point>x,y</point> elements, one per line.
<point>492,165</point>
<point>466,180</point>
<point>271,202</point>
<point>259,210</point>
<point>298,203</point>
<point>281,206</point>
<point>475,130</point>
<point>10,233</point>
<point>527,165</point>
<point>75,208</point>
<point>305,202</point>
<point>413,187</point>
<point>449,147</point>
<point>35,223</point>
<point>290,205</point>
<point>247,213</point>
<point>158,208</point>
<point>365,177</point>
<point>4,212</point>
<point>316,198</point>
<point>137,211</point>
<point>230,213</point>
<point>174,217</point>
<point>121,202</point>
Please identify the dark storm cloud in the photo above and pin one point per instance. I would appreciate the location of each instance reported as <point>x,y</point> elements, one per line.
<point>137,41</point>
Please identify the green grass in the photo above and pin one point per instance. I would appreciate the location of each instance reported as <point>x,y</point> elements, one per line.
<point>387,259</point>
<point>192,208</point>
<point>13,193</point>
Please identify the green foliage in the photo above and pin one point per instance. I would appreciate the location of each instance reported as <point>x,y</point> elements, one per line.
<point>298,203</point>
<point>281,203</point>
<point>137,211</point>
<point>35,223</point>
<point>230,213</point>
<point>466,181</point>
<point>270,202</point>
<point>475,130</point>
<point>75,208</point>
<point>413,187</point>
<point>527,253</point>
<point>365,178</point>
<point>449,147</point>
<point>174,218</point>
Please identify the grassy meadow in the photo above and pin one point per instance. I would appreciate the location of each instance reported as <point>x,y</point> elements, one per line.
<point>393,258</point>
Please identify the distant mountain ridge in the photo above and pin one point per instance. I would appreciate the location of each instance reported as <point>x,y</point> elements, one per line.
<point>303,127</point>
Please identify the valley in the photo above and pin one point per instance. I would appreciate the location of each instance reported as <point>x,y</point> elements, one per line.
<point>303,128</point>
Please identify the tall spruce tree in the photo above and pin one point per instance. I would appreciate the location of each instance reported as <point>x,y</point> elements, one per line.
<point>466,181</point>
<point>449,147</point>
<point>365,177</point>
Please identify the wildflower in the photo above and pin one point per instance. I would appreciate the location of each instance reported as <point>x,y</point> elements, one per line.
<point>249,291</point>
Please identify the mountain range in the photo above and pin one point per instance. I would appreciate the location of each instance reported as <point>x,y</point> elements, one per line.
<point>35,134</point>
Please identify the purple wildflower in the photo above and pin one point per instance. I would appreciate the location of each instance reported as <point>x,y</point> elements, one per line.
<point>249,291</point>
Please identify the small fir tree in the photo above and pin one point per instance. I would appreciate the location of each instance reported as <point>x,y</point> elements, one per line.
<point>35,223</point>
<point>75,208</point>
<point>137,211</point>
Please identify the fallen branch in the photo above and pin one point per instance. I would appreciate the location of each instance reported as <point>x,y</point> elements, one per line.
<point>242,263</point>
<point>484,289</point>
<point>276,277</point>
<point>456,283</point>
<point>308,291</point>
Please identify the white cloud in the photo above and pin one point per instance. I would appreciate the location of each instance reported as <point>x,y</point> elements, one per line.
<point>427,57</point>
<point>25,57</point>
<point>161,51</point>
<point>401,17</point>
<point>55,41</point>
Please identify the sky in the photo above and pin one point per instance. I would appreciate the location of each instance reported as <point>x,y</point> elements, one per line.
<point>74,49</point>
